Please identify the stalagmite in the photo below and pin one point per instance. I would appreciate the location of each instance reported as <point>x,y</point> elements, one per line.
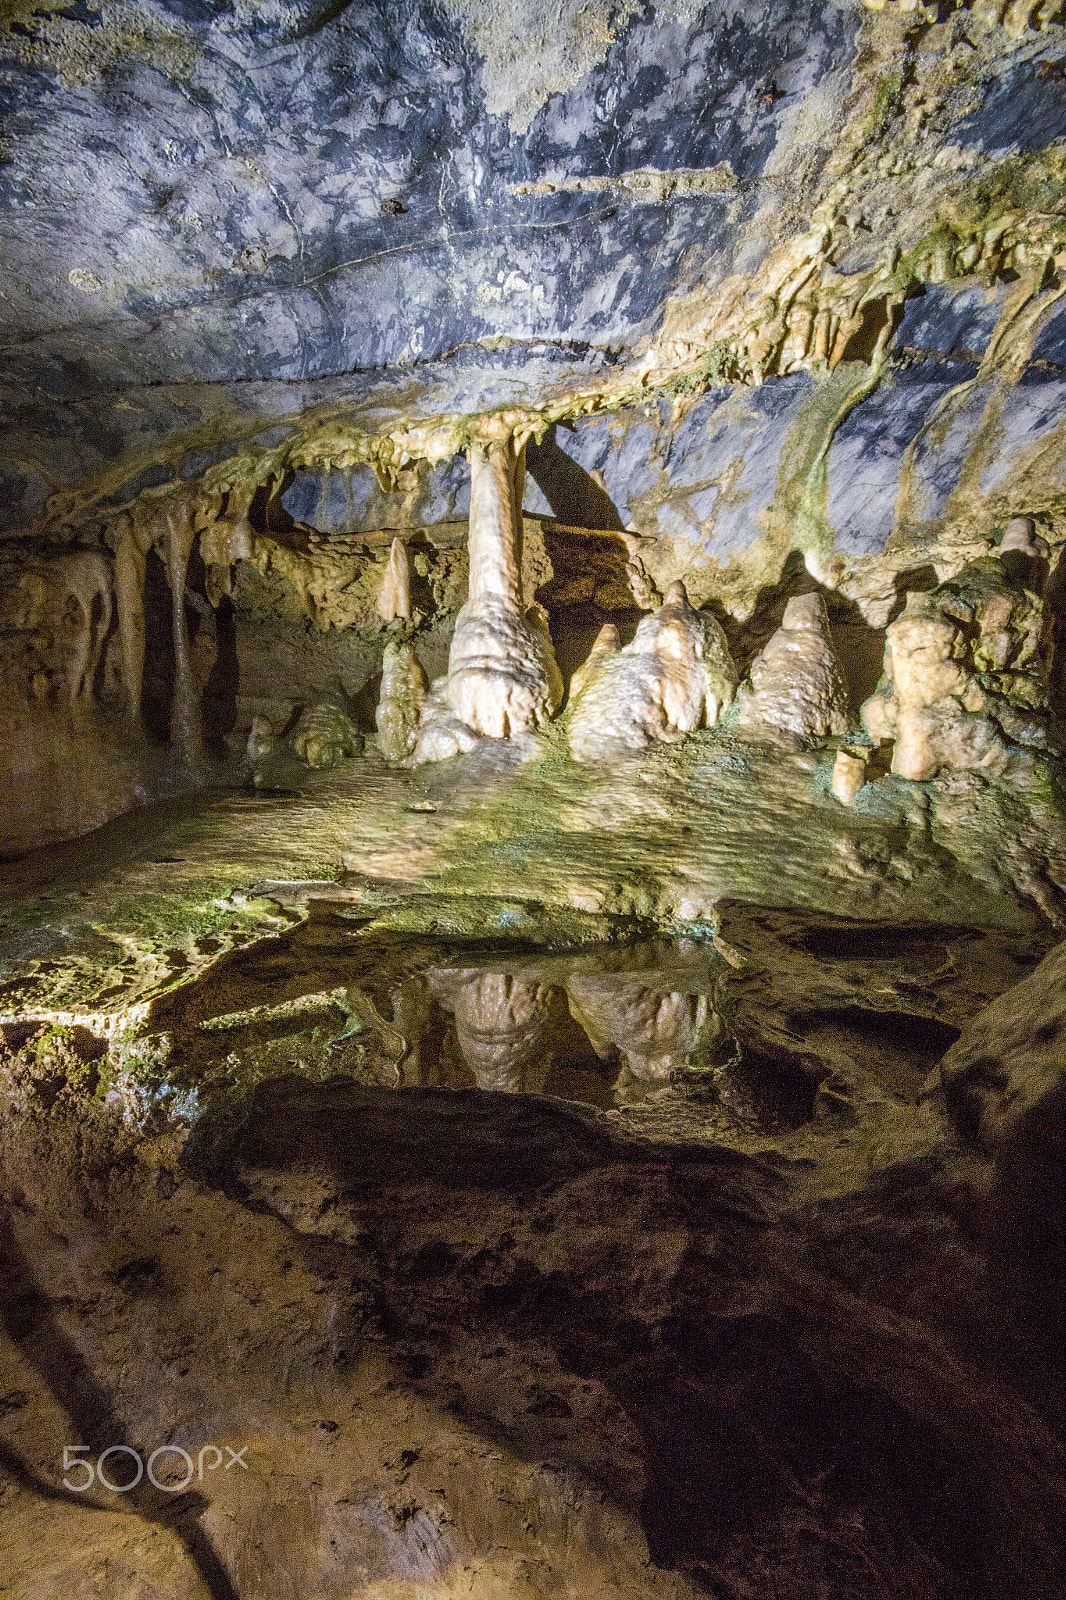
<point>261,741</point>
<point>797,690</point>
<point>186,726</point>
<point>677,675</point>
<point>849,775</point>
<point>502,676</point>
<point>1024,554</point>
<point>325,733</point>
<point>607,644</point>
<point>394,596</point>
<point>964,675</point>
<point>403,689</point>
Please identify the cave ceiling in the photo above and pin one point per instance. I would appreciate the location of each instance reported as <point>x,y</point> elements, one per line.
<point>273,232</point>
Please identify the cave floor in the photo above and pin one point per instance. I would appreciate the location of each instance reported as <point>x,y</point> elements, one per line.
<point>699,1304</point>
<point>216,940</point>
<point>518,840</point>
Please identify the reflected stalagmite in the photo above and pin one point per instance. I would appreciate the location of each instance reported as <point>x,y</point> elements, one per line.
<point>501,1019</point>
<point>656,1032</point>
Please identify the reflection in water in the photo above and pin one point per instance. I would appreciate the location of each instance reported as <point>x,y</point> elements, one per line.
<point>502,1020</point>
<point>606,1026</point>
<point>655,1033</point>
<point>515,1030</point>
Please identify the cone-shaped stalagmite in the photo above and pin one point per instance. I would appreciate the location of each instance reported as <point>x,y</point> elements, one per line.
<point>403,688</point>
<point>394,596</point>
<point>677,675</point>
<point>797,689</point>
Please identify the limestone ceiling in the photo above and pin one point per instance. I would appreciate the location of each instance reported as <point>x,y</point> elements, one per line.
<point>220,219</point>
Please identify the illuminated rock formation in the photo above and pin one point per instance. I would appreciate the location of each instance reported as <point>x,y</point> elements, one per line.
<point>226,534</point>
<point>403,689</point>
<point>677,675</point>
<point>502,676</point>
<point>1024,555</point>
<point>965,676</point>
<point>68,603</point>
<point>849,775</point>
<point>797,689</point>
<point>261,741</point>
<point>394,596</point>
<point>325,733</point>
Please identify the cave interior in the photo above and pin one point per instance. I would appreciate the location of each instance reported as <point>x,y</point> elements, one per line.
<point>533,844</point>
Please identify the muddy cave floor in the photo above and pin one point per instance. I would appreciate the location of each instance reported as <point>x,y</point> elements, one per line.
<point>722,1301</point>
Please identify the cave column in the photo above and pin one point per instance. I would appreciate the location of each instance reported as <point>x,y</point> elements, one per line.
<point>497,476</point>
<point>502,674</point>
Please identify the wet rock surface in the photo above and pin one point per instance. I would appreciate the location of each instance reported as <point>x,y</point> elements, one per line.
<point>494,1339</point>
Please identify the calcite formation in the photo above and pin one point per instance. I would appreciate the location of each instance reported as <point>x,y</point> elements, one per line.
<point>186,726</point>
<point>797,690</point>
<point>591,1127</point>
<point>656,1034</point>
<point>502,677</point>
<point>69,601</point>
<point>325,733</point>
<point>502,1021</point>
<point>965,682</point>
<point>849,774</point>
<point>394,596</point>
<point>403,690</point>
<point>676,675</point>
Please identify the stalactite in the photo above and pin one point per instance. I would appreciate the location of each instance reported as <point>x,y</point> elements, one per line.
<point>496,524</point>
<point>85,576</point>
<point>129,601</point>
<point>186,725</point>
